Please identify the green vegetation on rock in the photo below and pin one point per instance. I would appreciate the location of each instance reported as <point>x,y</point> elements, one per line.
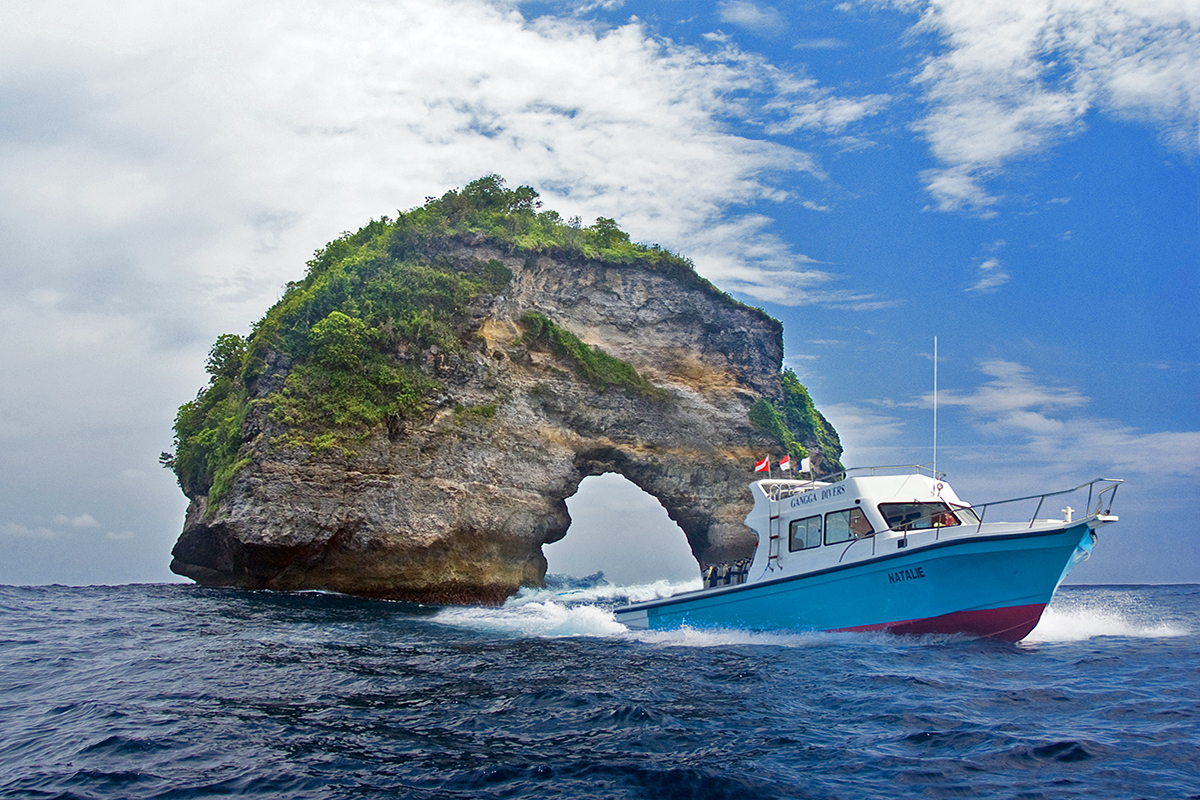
<point>797,421</point>
<point>348,382</point>
<point>208,434</point>
<point>595,366</point>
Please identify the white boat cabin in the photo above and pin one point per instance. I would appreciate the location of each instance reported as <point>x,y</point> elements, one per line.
<point>810,525</point>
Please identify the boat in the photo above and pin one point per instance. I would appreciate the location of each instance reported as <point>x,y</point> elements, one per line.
<point>890,549</point>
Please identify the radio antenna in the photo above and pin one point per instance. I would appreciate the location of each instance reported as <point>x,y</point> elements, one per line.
<point>935,472</point>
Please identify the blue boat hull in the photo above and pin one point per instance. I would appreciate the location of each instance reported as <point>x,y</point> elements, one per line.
<point>994,586</point>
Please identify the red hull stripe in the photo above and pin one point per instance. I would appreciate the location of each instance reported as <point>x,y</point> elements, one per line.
<point>1011,624</point>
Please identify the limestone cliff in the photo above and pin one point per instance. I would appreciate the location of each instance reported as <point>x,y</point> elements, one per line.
<point>408,421</point>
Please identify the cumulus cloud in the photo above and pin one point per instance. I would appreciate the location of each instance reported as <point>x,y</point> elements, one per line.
<point>1014,78</point>
<point>206,152</point>
<point>821,110</point>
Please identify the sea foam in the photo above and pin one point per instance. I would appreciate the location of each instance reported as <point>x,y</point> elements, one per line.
<point>1102,613</point>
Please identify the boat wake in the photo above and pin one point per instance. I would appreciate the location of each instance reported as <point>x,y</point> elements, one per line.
<point>583,607</point>
<point>568,606</point>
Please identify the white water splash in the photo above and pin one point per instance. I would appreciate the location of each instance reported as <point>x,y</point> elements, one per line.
<point>588,611</point>
<point>582,611</point>
<point>539,619</point>
<point>1102,613</point>
<point>725,637</point>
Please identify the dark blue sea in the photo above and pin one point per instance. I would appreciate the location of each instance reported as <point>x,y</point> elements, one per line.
<point>175,691</point>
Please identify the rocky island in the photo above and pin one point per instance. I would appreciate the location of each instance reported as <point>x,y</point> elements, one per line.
<point>409,419</point>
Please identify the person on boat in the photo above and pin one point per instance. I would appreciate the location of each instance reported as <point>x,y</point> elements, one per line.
<point>945,520</point>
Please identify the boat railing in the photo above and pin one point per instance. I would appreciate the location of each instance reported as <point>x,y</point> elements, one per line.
<point>1102,490</point>
<point>869,537</point>
<point>893,469</point>
<point>780,488</point>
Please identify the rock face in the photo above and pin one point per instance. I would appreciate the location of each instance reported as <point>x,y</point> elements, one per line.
<point>453,505</point>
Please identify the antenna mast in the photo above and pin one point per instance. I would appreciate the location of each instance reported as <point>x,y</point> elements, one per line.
<point>935,472</point>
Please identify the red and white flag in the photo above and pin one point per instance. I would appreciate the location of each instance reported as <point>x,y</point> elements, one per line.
<point>785,463</point>
<point>762,465</point>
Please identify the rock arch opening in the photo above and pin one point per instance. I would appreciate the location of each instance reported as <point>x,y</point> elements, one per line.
<point>622,531</point>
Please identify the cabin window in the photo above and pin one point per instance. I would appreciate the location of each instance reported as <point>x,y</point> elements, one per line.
<point>842,526</point>
<point>804,533</point>
<point>917,516</point>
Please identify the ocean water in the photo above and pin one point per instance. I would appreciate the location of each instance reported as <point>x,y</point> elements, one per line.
<point>176,691</point>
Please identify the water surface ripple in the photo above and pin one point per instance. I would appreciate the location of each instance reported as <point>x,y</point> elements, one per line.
<point>174,691</point>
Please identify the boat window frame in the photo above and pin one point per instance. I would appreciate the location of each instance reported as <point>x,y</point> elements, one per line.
<point>792,524</point>
<point>932,512</point>
<point>851,535</point>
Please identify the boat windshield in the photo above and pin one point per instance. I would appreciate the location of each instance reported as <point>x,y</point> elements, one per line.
<point>966,515</point>
<point>921,516</point>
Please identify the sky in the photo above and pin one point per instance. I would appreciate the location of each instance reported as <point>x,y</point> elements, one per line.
<point>1017,178</point>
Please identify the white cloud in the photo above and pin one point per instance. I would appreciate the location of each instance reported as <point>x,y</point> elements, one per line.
<point>1015,78</point>
<point>752,16</point>
<point>78,521</point>
<point>18,531</point>
<point>1022,435</point>
<point>740,255</point>
<point>166,172</point>
<point>1007,400</point>
<point>866,429</point>
<point>230,141</point>
<point>820,110</point>
<point>991,277</point>
<point>1035,418</point>
<point>826,43</point>
<point>585,6</point>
